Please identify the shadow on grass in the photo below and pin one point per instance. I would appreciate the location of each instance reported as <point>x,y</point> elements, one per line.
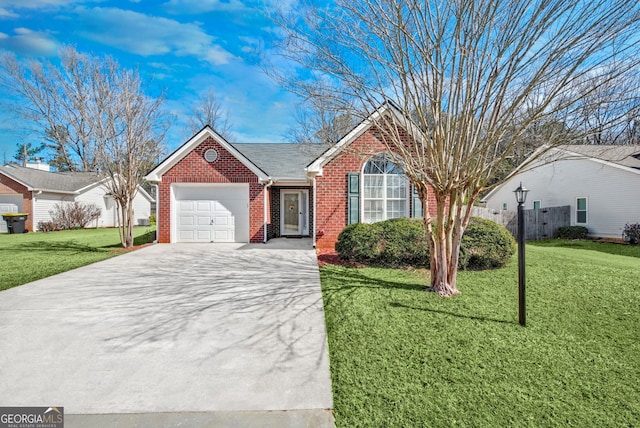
<point>146,238</point>
<point>452,314</point>
<point>343,283</point>
<point>57,246</point>
<point>618,249</point>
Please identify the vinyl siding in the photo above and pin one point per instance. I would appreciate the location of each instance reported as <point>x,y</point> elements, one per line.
<point>613,194</point>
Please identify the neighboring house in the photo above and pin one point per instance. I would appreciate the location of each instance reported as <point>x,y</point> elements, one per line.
<point>210,190</point>
<point>35,190</point>
<point>600,183</point>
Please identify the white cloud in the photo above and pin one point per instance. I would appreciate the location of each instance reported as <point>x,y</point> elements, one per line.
<point>4,13</point>
<point>149,35</point>
<point>42,4</point>
<point>29,42</point>
<point>191,7</point>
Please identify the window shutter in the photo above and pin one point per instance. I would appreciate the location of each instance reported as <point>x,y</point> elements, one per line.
<point>416,205</point>
<point>353,205</point>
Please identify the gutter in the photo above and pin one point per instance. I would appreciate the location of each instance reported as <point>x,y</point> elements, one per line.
<point>268,183</point>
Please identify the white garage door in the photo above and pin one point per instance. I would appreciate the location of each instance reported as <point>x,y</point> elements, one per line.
<point>212,213</point>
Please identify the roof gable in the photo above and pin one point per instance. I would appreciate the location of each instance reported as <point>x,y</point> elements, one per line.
<point>181,152</point>
<point>388,108</point>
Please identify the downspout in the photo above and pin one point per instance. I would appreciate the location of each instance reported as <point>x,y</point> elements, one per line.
<point>157,194</point>
<point>315,219</point>
<point>267,184</point>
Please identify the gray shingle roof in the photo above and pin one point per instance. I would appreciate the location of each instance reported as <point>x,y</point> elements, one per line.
<point>281,160</point>
<point>622,155</point>
<point>65,182</point>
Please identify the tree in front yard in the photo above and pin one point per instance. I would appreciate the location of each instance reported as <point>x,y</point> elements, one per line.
<point>467,80</point>
<point>94,115</point>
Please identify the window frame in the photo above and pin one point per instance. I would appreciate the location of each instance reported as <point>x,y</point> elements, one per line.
<point>585,210</point>
<point>384,187</point>
<point>539,204</point>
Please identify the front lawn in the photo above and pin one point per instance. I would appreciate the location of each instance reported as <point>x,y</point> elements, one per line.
<point>402,357</point>
<point>31,256</point>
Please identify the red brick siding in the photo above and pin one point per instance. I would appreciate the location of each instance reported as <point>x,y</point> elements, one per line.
<point>12,187</point>
<point>331,198</point>
<point>193,168</point>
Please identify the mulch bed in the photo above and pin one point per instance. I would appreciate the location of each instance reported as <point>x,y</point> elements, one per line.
<point>330,257</point>
<point>124,250</point>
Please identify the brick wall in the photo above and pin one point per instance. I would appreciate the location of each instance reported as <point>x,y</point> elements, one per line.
<point>12,187</point>
<point>331,199</point>
<point>193,168</point>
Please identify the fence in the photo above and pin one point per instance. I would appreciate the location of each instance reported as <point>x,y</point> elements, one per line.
<point>539,224</point>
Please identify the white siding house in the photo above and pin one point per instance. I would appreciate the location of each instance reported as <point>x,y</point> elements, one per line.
<point>36,191</point>
<point>600,183</point>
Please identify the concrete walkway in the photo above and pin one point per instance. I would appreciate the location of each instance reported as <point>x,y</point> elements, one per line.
<point>218,335</point>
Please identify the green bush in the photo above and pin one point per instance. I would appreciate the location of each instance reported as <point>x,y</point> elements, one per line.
<point>359,242</point>
<point>485,245</point>
<point>571,232</point>
<point>402,242</point>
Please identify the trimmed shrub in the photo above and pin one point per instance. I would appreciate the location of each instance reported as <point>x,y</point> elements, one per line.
<point>571,232</point>
<point>402,242</point>
<point>359,242</point>
<point>486,245</point>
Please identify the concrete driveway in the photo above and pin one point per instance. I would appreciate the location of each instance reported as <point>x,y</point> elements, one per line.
<point>181,334</point>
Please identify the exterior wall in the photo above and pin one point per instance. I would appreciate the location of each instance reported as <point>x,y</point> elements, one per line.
<point>193,168</point>
<point>332,191</point>
<point>108,214</point>
<point>141,210</point>
<point>613,198</point>
<point>11,187</point>
<point>274,226</point>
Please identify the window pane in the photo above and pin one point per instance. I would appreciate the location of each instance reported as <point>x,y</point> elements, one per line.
<point>582,204</point>
<point>396,209</point>
<point>396,186</point>
<point>581,217</point>
<point>536,205</point>
<point>373,186</point>
<point>373,211</point>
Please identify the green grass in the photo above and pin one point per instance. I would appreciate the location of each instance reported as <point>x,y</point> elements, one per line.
<point>31,256</point>
<point>403,357</point>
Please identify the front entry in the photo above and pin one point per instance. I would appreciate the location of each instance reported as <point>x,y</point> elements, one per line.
<point>294,207</point>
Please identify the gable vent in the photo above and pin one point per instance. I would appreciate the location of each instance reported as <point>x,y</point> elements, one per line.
<point>210,155</point>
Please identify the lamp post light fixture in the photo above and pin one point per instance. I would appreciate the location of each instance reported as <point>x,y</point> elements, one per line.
<point>521,197</point>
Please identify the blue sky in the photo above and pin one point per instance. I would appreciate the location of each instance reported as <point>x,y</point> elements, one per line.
<point>185,47</point>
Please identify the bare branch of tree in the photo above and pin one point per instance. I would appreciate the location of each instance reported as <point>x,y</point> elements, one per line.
<point>469,79</point>
<point>209,111</point>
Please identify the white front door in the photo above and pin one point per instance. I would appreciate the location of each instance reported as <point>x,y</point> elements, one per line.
<point>294,212</point>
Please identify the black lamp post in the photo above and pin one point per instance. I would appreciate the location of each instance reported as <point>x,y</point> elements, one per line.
<point>521,197</point>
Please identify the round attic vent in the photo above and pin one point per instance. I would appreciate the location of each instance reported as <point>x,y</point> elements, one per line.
<point>210,155</point>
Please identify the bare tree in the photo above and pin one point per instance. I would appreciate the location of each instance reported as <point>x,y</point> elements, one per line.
<point>316,123</point>
<point>98,116</point>
<point>467,79</point>
<point>209,111</point>
<point>55,100</point>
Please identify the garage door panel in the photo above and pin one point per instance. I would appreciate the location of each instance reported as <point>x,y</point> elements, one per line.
<point>212,213</point>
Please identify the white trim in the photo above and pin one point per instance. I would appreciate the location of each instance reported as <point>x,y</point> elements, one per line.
<point>303,227</point>
<point>315,226</point>
<point>156,174</point>
<point>586,211</point>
